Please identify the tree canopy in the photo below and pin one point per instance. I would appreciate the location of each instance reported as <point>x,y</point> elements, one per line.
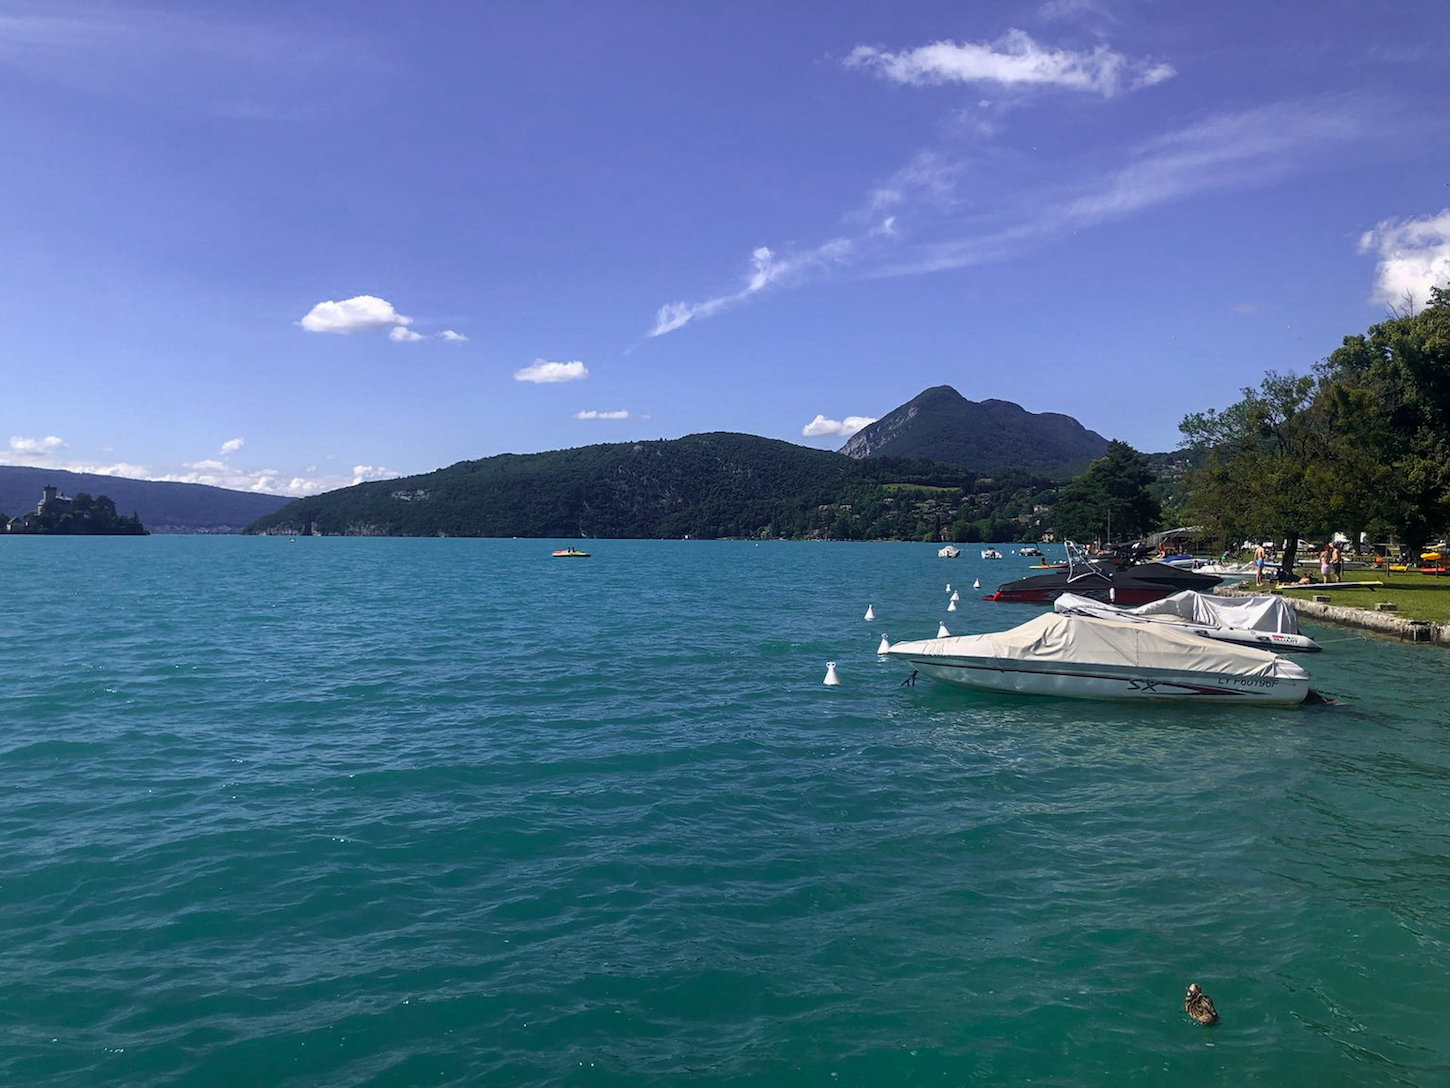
<point>1110,500</point>
<point>1359,445</point>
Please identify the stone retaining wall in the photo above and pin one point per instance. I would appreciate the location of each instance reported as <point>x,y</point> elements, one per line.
<point>1382,623</point>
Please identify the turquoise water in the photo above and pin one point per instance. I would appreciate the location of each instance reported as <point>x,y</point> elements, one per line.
<point>357,812</point>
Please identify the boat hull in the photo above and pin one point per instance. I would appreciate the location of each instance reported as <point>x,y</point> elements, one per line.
<point>1106,681</point>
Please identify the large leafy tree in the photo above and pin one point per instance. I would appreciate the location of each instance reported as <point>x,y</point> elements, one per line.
<point>1110,498</point>
<point>1287,459</point>
<point>1395,382</point>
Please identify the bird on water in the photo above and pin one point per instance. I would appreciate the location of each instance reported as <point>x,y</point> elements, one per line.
<point>1199,1005</point>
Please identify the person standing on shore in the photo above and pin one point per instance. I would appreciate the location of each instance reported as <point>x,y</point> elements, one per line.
<point>1259,557</point>
<point>1324,562</point>
<point>1336,562</point>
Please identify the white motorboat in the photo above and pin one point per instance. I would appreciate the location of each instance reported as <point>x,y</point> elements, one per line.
<point>1029,550</point>
<point>1082,657</point>
<point>1266,623</point>
<point>948,552</point>
<point>991,553</point>
<point>1227,572</point>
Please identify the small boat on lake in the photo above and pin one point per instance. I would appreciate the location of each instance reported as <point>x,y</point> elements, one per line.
<point>991,553</point>
<point>950,551</point>
<point>570,553</point>
<point>1081,657</point>
<point>1029,550</point>
<point>1265,623</point>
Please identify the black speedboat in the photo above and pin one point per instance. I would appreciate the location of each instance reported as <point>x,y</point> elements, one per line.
<point>1121,578</point>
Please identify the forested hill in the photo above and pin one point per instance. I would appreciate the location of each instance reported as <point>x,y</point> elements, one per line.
<point>990,435</point>
<point>704,485</point>
<point>162,506</point>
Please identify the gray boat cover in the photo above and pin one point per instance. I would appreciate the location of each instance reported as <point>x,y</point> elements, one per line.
<point>1059,638</point>
<point>1260,613</point>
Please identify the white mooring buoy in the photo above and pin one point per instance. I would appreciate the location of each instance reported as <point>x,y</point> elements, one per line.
<point>976,583</point>
<point>831,677</point>
<point>951,606</point>
<point>942,632</point>
<point>956,596</point>
<point>885,645</point>
<point>870,615</point>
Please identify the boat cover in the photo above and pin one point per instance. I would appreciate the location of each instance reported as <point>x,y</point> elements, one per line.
<point>1059,638</point>
<point>1259,613</point>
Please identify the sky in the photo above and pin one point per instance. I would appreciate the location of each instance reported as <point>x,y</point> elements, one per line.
<point>289,245</point>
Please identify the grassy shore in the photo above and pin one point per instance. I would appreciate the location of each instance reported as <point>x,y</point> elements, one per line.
<point>1419,596</point>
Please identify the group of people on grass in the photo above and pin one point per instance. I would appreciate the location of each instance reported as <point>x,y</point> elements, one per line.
<point>1331,563</point>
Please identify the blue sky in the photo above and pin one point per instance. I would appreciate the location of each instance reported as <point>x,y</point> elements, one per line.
<point>290,245</point>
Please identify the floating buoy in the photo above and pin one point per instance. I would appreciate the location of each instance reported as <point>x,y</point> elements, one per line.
<point>942,632</point>
<point>956,596</point>
<point>951,606</point>
<point>976,583</point>
<point>870,615</point>
<point>885,645</point>
<point>949,587</point>
<point>831,677</point>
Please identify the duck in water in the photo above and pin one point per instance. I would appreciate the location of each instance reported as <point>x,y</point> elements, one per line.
<point>1199,1005</point>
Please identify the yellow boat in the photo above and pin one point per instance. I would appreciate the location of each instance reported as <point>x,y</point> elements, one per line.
<point>570,553</point>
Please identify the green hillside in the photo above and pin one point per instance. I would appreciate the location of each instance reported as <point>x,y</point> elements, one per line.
<point>705,486</point>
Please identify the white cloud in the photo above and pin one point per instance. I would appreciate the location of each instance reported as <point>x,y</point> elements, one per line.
<point>590,413</point>
<point>454,337</point>
<point>36,447</point>
<point>542,371</point>
<point>766,269</point>
<point>362,473</point>
<point>360,313</point>
<point>821,426</point>
<point>400,334</point>
<point>231,445</point>
<point>1414,255</point>
<point>1012,60</point>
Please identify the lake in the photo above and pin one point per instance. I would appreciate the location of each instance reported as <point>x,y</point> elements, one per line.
<point>392,812</point>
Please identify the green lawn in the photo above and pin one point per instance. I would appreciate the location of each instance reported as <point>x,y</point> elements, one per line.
<point>1420,596</point>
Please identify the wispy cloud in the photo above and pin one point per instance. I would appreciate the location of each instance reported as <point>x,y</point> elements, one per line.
<point>766,269</point>
<point>543,372</point>
<point>231,445</point>
<point>1238,150</point>
<point>452,337</point>
<point>361,313</point>
<point>821,426</point>
<point>401,334</point>
<point>590,413</point>
<point>36,447</point>
<point>49,453</point>
<point>950,209</point>
<point>1414,255</point>
<point>1013,60</point>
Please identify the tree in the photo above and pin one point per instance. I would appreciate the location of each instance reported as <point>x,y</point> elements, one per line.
<point>1284,459</point>
<point>1396,381</point>
<point>1110,498</point>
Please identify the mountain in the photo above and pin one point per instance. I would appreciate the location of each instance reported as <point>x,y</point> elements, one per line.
<point>162,506</point>
<point>942,425</point>
<point>703,485</point>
